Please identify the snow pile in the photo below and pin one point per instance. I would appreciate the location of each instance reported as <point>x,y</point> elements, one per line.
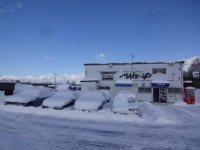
<point>59,99</point>
<point>91,100</point>
<point>197,99</point>
<point>180,103</point>
<point>152,113</point>
<point>124,101</point>
<point>2,97</point>
<point>197,96</point>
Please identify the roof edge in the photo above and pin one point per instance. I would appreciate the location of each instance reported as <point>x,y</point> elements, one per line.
<point>156,62</point>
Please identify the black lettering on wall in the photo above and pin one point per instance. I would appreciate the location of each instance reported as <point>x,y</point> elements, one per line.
<point>134,75</point>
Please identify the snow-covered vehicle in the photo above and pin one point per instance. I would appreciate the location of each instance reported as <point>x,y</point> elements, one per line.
<point>92,100</point>
<point>74,87</point>
<point>29,97</point>
<point>61,99</point>
<point>125,103</point>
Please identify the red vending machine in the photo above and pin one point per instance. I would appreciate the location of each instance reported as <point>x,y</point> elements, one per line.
<point>189,95</point>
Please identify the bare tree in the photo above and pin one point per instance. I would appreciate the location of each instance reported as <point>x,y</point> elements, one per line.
<point>194,67</point>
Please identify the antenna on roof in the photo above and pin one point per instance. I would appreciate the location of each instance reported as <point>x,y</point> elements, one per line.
<point>132,56</point>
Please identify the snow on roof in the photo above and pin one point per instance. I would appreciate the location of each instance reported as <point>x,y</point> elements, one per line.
<point>153,62</point>
<point>124,81</point>
<point>187,81</point>
<point>1,81</point>
<point>189,88</point>
<point>160,81</point>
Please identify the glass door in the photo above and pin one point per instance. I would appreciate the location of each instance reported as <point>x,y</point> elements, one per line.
<point>160,95</point>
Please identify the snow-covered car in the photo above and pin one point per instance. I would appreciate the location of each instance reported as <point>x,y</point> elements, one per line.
<point>125,102</point>
<point>92,100</point>
<point>30,97</point>
<point>74,87</point>
<point>61,99</point>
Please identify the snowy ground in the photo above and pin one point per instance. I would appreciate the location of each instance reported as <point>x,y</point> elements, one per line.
<point>174,126</point>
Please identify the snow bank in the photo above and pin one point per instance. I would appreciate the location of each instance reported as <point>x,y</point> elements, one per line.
<point>101,115</point>
<point>180,103</point>
<point>152,113</point>
<point>2,97</point>
<point>178,113</point>
<point>197,96</point>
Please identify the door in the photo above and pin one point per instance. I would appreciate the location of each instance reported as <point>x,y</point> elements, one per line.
<point>163,95</point>
<point>156,95</point>
<point>160,95</point>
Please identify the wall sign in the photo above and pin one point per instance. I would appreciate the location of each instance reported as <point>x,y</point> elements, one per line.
<point>160,84</point>
<point>136,75</point>
<point>108,75</point>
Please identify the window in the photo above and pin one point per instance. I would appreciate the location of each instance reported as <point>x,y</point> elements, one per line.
<point>144,90</point>
<point>174,90</point>
<point>159,70</point>
<point>104,88</point>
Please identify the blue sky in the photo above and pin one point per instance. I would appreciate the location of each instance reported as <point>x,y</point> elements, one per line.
<point>59,36</point>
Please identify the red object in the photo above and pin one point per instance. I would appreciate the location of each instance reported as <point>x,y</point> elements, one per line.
<point>189,95</point>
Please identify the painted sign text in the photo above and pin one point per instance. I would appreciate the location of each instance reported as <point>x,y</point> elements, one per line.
<point>136,75</point>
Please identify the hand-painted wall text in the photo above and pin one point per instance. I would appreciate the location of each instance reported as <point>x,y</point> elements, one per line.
<point>136,75</point>
<point>107,75</point>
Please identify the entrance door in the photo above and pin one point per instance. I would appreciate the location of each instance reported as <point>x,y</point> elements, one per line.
<point>163,95</point>
<point>156,95</point>
<point>160,95</point>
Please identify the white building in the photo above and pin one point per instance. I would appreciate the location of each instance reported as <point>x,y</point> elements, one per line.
<point>160,82</point>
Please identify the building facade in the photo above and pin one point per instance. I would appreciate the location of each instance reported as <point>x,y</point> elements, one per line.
<point>159,82</point>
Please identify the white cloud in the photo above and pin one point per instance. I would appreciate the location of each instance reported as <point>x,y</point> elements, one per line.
<point>45,78</point>
<point>101,57</point>
<point>188,62</point>
<point>47,57</point>
<point>19,4</point>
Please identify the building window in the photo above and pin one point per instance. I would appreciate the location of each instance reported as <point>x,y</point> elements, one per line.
<point>174,90</point>
<point>159,70</point>
<point>144,90</point>
<point>104,88</point>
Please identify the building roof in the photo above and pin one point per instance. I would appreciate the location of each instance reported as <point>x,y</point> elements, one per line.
<point>89,80</point>
<point>154,62</point>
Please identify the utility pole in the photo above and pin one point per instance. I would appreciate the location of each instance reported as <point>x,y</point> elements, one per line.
<point>55,78</point>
